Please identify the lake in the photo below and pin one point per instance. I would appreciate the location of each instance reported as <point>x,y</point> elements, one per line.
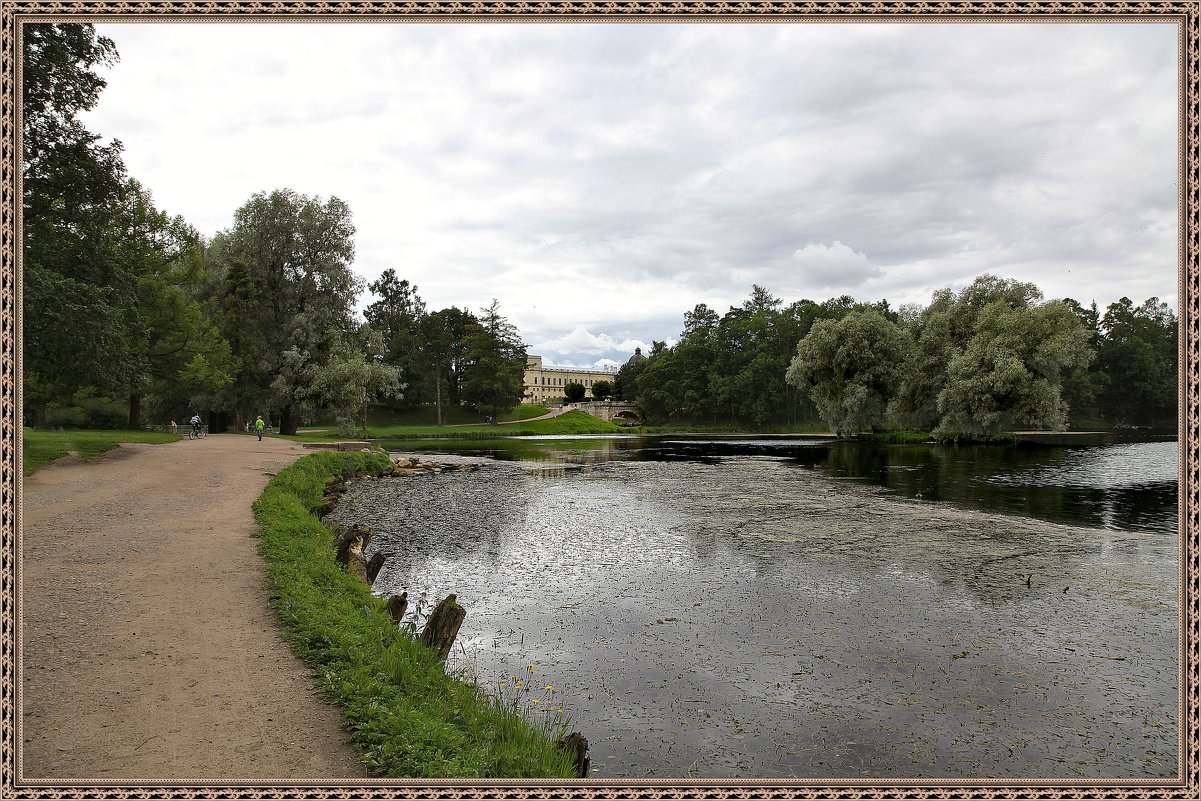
<point>783,607</point>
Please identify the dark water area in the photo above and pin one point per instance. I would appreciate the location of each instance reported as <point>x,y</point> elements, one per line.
<point>1125,486</point>
<point>704,610</point>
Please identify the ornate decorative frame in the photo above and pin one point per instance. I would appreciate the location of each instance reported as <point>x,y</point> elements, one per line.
<point>1186,14</point>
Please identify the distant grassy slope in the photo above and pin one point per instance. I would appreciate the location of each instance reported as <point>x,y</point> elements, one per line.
<point>43,447</point>
<point>570,423</point>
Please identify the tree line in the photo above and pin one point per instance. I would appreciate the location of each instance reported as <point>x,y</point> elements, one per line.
<point>122,300</point>
<point>992,357</point>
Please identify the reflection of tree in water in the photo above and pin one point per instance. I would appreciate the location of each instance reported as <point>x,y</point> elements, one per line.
<point>1009,478</point>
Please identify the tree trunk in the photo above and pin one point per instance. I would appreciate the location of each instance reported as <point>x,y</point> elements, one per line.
<point>39,414</point>
<point>438,396</point>
<point>135,410</point>
<point>287,421</point>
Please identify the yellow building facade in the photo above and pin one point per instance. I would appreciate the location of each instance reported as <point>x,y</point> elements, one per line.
<point>546,383</point>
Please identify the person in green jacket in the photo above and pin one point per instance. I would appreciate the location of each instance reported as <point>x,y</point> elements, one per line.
<point>259,425</point>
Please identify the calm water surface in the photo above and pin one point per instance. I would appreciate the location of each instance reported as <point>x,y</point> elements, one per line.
<point>1128,486</point>
<point>776,608</point>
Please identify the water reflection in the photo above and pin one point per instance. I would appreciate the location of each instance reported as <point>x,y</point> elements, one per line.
<point>1126,486</point>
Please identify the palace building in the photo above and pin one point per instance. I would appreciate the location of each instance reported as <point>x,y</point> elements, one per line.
<point>546,383</point>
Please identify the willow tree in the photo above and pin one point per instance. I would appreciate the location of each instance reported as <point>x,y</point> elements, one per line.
<point>296,252</point>
<point>851,368</point>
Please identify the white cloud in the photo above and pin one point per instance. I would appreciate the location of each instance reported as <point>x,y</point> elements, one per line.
<point>832,266</point>
<point>607,178</point>
<point>582,341</point>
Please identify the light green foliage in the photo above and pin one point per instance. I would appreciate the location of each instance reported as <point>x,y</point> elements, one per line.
<point>574,422</point>
<point>289,293</point>
<point>601,389</point>
<point>850,368</point>
<point>351,378</point>
<point>407,717</point>
<point>1010,372</point>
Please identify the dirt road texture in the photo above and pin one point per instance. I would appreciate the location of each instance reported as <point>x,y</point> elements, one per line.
<point>148,648</point>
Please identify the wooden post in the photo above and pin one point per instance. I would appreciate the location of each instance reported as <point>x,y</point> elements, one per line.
<point>576,744</point>
<point>374,566</point>
<point>443,626</point>
<point>352,541</point>
<point>398,605</point>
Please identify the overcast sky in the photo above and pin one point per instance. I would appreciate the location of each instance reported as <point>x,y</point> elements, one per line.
<point>601,180</point>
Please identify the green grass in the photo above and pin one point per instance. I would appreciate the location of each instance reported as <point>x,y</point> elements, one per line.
<point>897,437</point>
<point>575,422</point>
<point>816,427</point>
<point>408,718</point>
<point>42,447</point>
<point>524,412</point>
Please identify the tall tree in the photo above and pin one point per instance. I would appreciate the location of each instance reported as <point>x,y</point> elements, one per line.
<point>296,253</point>
<point>72,186</point>
<point>851,368</point>
<point>1138,357</point>
<point>397,315</point>
<point>1010,372</point>
<point>444,350</point>
<point>495,377</point>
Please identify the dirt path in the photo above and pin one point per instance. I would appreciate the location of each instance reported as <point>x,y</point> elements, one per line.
<point>149,650</point>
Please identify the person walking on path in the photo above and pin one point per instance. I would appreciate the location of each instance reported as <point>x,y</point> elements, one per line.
<point>259,425</point>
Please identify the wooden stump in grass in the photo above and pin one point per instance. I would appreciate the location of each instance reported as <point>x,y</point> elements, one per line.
<point>576,744</point>
<point>374,566</point>
<point>398,605</point>
<point>352,541</point>
<point>443,626</point>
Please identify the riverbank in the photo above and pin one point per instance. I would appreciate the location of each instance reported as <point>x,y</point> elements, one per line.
<point>407,715</point>
<point>148,648</point>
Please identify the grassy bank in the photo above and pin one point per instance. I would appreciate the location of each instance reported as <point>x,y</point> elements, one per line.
<point>575,422</point>
<point>817,427</point>
<point>405,714</point>
<point>42,447</point>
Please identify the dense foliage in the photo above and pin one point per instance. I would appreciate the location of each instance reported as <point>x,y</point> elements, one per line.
<point>258,320</point>
<point>991,357</point>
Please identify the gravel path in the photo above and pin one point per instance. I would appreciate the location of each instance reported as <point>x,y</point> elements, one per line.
<point>148,648</point>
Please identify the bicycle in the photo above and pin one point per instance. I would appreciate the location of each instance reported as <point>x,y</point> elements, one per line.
<point>196,432</point>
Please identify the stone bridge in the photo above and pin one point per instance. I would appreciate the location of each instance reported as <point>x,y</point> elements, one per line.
<point>609,410</point>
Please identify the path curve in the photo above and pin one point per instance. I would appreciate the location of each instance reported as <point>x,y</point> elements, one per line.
<point>149,650</point>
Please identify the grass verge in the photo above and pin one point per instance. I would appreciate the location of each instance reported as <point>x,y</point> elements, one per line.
<point>42,447</point>
<point>408,718</point>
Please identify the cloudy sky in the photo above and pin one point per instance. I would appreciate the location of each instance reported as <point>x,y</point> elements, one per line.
<point>601,180</point>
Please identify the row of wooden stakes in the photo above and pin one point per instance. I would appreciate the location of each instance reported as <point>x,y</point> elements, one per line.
<point>442,625</point>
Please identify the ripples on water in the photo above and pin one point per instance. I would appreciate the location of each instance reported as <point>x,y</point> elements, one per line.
<point>744,615</point>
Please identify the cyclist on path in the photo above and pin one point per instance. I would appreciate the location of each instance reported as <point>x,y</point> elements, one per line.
<point>195,421</point>
<point>259,425</point>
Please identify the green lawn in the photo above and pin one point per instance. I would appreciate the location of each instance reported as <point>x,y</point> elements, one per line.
<point>575,422</point>
<point>408,718</point>
<point>524,412</point>
<point>43,447</point>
